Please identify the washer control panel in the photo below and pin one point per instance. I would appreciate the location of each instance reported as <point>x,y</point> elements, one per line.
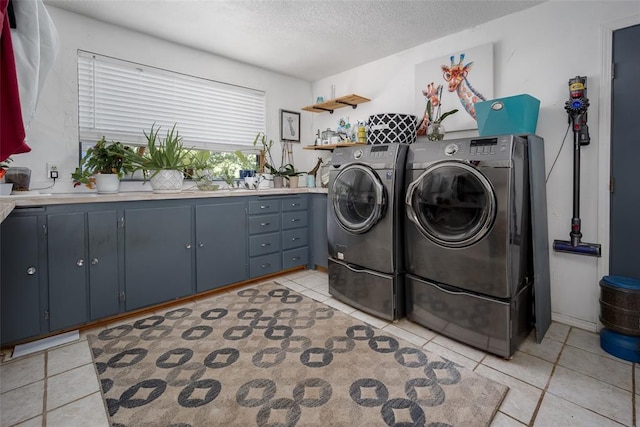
<point>377,151</point>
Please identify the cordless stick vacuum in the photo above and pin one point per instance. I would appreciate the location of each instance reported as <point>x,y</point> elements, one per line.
<point>576,107</point>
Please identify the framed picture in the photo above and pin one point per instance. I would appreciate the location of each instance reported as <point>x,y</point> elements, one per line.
<point>289,126</point>
<point>457,81</point>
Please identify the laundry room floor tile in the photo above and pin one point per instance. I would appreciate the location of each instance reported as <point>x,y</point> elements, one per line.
<point>502,420</point>
<point>522,398</point>
<point>548,349</point>
<point>557,332</point>
<point>556,411</point>
<point>530,369</point>
<point>599,367</point>
<point>451,355</point>
<point>20,372</point>
<point>589,341</point>
<point>592,394</point>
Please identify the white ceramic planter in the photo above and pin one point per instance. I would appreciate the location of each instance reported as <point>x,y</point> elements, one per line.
<point>107,183</point>
<point>167,181</point>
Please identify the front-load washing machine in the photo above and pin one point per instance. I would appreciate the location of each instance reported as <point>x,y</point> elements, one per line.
<point>467,236</point>
<point>364,228</point>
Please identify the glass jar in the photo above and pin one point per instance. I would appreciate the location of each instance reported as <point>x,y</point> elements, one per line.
<point>435,132</point>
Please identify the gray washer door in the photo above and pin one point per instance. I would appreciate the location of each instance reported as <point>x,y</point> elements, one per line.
<point>625,152</point>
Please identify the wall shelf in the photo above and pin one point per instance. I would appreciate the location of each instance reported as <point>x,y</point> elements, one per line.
<point>333,104</point>
<point>330,147</point>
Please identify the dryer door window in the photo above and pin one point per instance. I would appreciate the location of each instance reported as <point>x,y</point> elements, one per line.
<point>452,204</point>
<point>358,198</point>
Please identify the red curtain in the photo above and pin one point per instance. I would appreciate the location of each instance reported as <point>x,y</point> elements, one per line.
<point>12,132</point>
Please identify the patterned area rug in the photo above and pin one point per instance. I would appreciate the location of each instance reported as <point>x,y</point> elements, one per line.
<point>268,356</point>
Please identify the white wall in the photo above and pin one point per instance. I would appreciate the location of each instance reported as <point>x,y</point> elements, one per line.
<point>536,51</point>
<point>53,135</point>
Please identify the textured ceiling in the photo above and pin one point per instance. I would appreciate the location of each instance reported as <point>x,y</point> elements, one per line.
<point>307,39</point>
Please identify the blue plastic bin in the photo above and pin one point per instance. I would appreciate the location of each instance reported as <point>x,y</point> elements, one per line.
<point>622,346</point>
<point>511,115</point>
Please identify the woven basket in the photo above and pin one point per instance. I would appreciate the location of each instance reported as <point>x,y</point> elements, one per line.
<point>620,305</point>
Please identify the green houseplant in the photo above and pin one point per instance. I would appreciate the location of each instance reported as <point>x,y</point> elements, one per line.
<point>164,159</point>
<point>203,165</point>
<point>103,166</point>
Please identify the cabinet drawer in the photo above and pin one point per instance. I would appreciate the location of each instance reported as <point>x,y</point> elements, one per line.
<point>295,257</point>
<point>295,219</point>
<point>295,204</point>
<point>265,264</point>
<point>263,244</point>
<point>294,238</point>
<point>264,224</point>
<point>258,207</point>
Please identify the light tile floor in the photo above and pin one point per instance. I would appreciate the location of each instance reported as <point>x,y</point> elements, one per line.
<point>567,380</point>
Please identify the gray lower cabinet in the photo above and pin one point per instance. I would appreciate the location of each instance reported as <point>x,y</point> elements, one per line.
<point>318,230</point>
<point>21,314</point>
<point>66,254</point>
<point>65,265</point>
<point>295,235</point>
<point>264,236</point>
<point>221,253</point>
<point>158,254</point>
<point>82,253</point>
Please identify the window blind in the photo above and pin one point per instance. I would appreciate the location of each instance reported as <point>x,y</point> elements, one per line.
<point>120,99</point>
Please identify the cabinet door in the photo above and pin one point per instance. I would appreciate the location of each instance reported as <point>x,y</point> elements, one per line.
<point>319,246</point>
<point>66,249</point>
<point>103,264</point>
<point>221,236</point>
<point>158,253</point>
<point>20,312</point>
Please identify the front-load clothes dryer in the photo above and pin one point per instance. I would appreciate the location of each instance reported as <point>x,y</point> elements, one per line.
<point>467,237</point>
<point>364,228</point>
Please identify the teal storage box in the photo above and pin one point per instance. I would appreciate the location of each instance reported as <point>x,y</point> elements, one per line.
<point>511,115</point>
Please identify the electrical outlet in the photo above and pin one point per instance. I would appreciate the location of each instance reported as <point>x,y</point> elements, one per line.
<point>53,170</point>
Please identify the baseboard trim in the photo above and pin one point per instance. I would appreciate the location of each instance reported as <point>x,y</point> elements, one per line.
<point>572,321</point>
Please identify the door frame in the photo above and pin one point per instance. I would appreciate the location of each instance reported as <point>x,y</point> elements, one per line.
<point>604,143</point>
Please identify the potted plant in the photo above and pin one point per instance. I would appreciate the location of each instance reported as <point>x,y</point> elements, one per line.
<point>267,166</point>
<point>165,160</point>
<point>202,165</point>
<point>289,173</point>
<point>103,166</point>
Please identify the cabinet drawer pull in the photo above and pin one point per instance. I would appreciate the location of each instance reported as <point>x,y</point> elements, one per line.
<point>295,220</point>
<point>265,265</point>
<point>94,261</point>
<point>264,245</point>
<point>264,224</point>
<point>31,271</point>
<point>80,262</point>
<point>201,244</point>
<point>295,204</point>
<point>295,258</point>
<point>188,246</point>
<point>293,239</point>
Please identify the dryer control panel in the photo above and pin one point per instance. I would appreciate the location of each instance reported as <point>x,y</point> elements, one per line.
<point>493,148</point>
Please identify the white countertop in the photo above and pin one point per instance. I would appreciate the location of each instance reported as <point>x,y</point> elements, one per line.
<point>32,198</point>
<point>6,206</point>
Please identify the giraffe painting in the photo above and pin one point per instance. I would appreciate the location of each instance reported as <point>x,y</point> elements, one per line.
<point>456,75</point>
<point>466,77</point>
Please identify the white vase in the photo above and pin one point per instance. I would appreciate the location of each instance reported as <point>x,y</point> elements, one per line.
<point>167,181</point>
<point>264,180</point>
<point>107,183</point>
<point>293,182</point>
